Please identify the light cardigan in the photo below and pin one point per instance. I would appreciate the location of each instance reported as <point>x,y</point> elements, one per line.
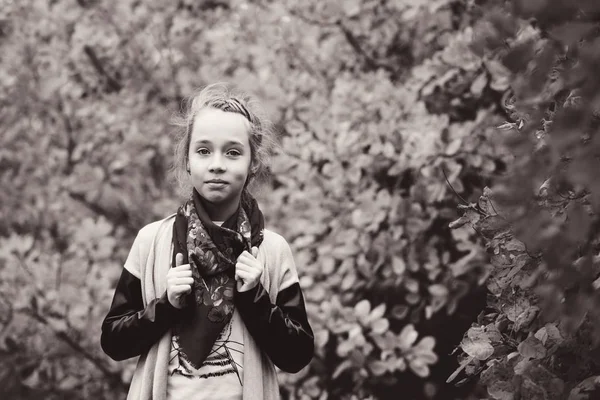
<point>150,259</point>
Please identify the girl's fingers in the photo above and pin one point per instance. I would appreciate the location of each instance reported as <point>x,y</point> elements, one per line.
<point>184,267</point>
<point>178,260</point>
<point>248,268</point>
<point>243,275</point>
<point>180,289</point>
<point>181,273</point>
<point>251,262</point>
<point>181,281</point>
<point>242,266</point>
<point>247,257</point>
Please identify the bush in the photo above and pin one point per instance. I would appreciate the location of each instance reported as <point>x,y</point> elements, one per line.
<point>538,337</point>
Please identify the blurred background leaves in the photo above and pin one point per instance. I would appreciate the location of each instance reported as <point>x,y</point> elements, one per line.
<point>387,113</point>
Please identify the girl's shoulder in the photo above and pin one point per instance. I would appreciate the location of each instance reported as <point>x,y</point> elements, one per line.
<point>279,263</point>
<point>275,249</point>
<point>150,231</point>
<point>273,241</point>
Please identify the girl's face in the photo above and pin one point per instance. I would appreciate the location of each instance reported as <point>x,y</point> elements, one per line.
<point>219,157</point>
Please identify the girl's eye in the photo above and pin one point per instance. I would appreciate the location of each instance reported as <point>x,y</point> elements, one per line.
<point>204,151</point>
<point>234,153</point>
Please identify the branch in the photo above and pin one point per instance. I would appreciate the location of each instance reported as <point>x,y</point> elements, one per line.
<point>70,164</point>
<point>370,60</point>
<point>312,21</point>
<point>118,217</point>
<point>113,84</point>
<point>96,361</point>
<point>6,319</point>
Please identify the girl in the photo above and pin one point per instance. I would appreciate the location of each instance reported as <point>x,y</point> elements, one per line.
<point>208,298</point>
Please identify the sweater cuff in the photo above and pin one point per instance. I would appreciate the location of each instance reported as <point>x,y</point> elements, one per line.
<point>255,301</point>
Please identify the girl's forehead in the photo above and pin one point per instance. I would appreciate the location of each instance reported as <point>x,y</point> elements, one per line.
<point>215,124</point>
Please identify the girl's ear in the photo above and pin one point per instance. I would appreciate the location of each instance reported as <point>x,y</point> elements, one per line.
<point>253,169</point>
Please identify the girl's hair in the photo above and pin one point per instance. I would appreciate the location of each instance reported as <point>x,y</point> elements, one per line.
<point>224,97</point>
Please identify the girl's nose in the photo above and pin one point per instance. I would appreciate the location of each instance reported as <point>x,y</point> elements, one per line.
<point>216,164</point>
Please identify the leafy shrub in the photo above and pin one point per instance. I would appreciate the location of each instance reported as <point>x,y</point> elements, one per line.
<point>538,338</point>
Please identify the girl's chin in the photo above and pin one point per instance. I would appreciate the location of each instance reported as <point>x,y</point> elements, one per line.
<point>214,197</point>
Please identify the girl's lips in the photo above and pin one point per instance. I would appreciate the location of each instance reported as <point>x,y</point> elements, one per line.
<point>216,184</point>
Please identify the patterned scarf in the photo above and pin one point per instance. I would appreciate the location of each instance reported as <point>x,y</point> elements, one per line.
<point>212,252</point>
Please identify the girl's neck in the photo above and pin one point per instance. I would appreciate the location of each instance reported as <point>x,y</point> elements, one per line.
<point>220,211</point>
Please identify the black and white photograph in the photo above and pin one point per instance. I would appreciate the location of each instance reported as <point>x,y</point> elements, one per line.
<point>300,200</point>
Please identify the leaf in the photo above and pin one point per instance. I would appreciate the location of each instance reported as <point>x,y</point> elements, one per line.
<point>343,366</point>
<point>377,312</point>
<point>399,311</point>
<point>352,8</point>
<point>419,368</point>
<point>491,225</point>
<point>321,338</point>
<point>454,146</point>
<point>477,333</point>
<point>362,310</point>
<point>407,337</point>
<point>345,347</point>
<point>425,344</point>
<point>501,390</point>
<point>479,84</point>
<point>479,349</point>
<point>532,348</point>
<point>386,341</point>
<point>518,307</point>
<point>526,318</point>
<point>438,290</point>
<point>398,265</point>
<point>493,333</point>
<point>462,366</point>
<point>522,366</point>
<point>378,368</point>
<point>459,223</point>
<point>348,281</point>
<point>588,389</point>
<point>380,326</point>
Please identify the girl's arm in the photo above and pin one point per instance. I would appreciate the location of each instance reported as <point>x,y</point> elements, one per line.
<point>281,329</point>
<point>130,329</point>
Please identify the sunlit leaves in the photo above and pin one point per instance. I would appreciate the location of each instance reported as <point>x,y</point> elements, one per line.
<point>375,101</point>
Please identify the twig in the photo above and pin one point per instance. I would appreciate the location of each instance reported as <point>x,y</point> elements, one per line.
<point>113,84</point>
<point>455,192</point>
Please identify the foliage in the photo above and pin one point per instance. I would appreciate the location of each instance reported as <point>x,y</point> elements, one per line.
<point>377,102</point>
<point>538,337</point>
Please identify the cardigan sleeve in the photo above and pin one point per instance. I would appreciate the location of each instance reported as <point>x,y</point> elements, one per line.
<point>130,328</point>
<point>282,329</point>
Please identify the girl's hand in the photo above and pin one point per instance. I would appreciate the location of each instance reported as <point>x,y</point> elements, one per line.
<point>248,270</point>
<point>179,282</point>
